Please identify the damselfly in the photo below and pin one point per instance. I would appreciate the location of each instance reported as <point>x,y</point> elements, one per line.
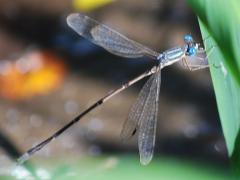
<point>143,114</point>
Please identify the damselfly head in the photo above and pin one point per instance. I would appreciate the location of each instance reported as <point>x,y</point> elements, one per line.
<point>191,46</point>
<point>188,39</point>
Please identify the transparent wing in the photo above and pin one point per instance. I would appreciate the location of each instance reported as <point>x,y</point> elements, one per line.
<point>107,38</point>
<point>148,122</point>
<point>131,124</point>
<point>199,61</point>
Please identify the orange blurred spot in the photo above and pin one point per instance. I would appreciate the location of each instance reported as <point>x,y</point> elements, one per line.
<point>36,73</point>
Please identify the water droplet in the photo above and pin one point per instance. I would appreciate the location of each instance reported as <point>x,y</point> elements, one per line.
<point>224,70</point>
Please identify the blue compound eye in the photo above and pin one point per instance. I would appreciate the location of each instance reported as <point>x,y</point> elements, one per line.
<point>188,38</point>
<point>191,51</point>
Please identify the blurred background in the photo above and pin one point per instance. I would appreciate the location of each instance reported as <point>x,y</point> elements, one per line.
<point>49,74</point>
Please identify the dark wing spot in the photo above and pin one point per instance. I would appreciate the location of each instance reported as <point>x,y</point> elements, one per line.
<point>134,131</point>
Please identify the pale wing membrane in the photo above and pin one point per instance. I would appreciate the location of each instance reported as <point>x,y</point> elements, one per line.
<point>131,124</point>
<point>107,38</point>
<point>148,122</point>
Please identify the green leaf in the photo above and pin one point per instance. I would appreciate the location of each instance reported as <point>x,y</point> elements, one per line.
<point>227,93</point>
<point>121,167</point>
<point>222,20</point>
<point>220,26</point>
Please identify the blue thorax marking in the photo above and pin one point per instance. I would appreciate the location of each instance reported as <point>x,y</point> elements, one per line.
<point>170,56</point>
<point>176,53</point>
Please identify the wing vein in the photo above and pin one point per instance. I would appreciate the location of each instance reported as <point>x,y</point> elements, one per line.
<point>108,38</point>
<point>148,122</point>
<point>131,124</point>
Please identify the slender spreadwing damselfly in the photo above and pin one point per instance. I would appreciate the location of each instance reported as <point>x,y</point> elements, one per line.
<point>143,114</point>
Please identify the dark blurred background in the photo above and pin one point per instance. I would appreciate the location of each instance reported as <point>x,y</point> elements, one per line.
<point>48,74</point>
